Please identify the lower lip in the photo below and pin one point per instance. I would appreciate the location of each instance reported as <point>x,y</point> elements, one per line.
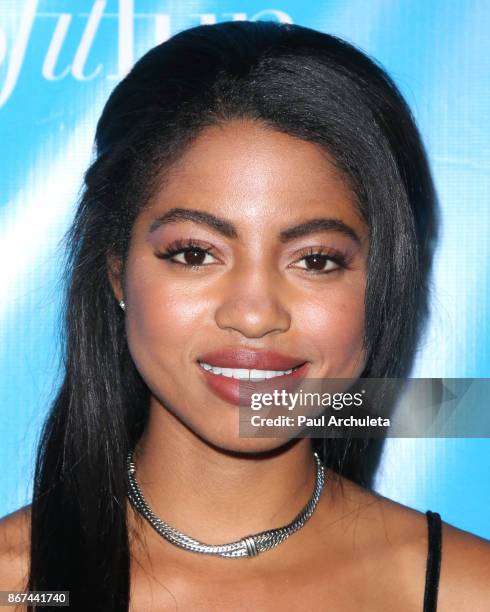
<point>228,388</point>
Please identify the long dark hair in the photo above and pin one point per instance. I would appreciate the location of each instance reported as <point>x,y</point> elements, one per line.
<point>293,79</point>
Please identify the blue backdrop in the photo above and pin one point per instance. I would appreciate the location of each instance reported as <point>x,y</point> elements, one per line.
<point>59,59</point>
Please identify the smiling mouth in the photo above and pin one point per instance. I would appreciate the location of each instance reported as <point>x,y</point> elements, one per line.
<point>247,374</point>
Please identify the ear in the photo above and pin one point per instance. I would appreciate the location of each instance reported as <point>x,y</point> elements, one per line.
<point>114,272</point>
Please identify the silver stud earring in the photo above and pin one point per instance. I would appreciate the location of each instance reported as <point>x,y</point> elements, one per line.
<point>122,304</point>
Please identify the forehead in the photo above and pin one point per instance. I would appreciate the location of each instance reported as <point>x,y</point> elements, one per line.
<point>244,169</point>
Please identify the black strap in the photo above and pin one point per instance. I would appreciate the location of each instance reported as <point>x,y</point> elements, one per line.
<point>433,561</point>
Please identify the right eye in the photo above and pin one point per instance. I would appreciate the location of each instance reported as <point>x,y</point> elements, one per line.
<point>188,254</point>
<point>192,257</point>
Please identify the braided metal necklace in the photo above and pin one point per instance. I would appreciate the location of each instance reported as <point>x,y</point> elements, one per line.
<point>249,546</point>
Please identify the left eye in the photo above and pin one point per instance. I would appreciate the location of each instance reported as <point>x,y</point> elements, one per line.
<point>317,262</point>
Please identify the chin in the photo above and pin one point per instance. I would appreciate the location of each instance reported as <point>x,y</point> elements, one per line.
<point>247,446</point>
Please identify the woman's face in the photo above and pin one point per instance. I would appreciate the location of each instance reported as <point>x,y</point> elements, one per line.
<point>251,256</point>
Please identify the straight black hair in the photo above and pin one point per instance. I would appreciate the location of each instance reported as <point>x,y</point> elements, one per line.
<point>290,78</point>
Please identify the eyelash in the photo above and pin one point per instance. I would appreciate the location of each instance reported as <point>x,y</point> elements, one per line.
<point>329,254</point>
<point>183,246</point>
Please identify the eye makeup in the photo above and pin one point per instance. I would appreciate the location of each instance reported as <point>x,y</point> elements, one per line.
<point>193,254</point>
<point>187,247</point>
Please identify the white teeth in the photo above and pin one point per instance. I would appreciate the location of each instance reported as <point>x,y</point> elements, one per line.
<point>244,373</point>
<point>241,373</point>
<point>257,374</point>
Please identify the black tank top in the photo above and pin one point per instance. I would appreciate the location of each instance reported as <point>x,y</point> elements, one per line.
<point>433,561</point>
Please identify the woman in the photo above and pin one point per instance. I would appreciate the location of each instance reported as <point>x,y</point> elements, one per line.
<point>260,200</point>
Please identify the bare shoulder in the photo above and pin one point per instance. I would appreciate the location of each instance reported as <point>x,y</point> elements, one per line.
<point>14,550</point>
<point>400,534</point>
<point>465,571</point>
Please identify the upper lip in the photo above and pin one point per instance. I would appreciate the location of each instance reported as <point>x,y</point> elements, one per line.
<point>251,359</point>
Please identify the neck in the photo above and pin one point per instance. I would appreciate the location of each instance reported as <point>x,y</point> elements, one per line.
<point>216,496</point>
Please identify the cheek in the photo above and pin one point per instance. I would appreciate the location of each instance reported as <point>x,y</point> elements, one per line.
<point>162,319</point>
<point>335,323</point>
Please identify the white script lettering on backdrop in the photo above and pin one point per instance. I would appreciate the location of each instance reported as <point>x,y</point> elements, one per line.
<point>13,51</point>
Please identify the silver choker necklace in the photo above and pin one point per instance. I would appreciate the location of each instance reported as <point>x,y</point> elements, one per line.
<point>249,546</point>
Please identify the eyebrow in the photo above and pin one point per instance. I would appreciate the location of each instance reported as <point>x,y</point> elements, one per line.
<point>228,230</point>
<point>189,214</point>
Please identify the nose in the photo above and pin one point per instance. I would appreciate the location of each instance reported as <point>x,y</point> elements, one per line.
<point>252,306</point>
